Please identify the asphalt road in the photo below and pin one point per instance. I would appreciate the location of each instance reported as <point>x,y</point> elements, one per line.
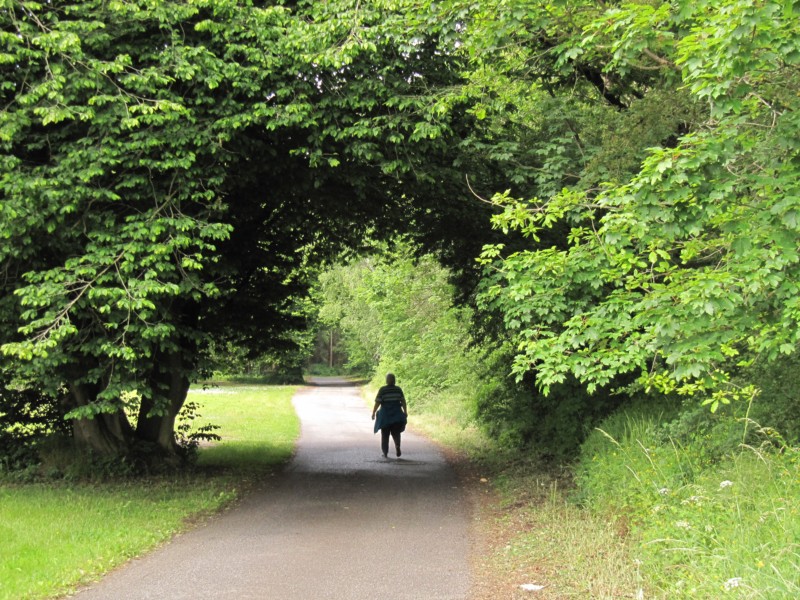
<point>341,522</point>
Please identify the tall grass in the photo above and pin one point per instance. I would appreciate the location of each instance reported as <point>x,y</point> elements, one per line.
<point>56,536</point>
<point>650,515</point>
<point>705,528</point>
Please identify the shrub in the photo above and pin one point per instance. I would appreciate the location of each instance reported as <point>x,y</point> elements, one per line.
<point>778,404</point>
<point>518,414</point>
<point>27,415</point>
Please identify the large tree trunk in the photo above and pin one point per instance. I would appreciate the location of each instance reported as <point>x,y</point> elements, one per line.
<point>170,386</point>
<point>104,434</point>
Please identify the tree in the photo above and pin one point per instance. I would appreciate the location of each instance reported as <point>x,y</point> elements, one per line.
<point>686,270</point>
<point>109,210</point>
<point>172,173</point>
<point>344,307</point>
<point>395,311</point>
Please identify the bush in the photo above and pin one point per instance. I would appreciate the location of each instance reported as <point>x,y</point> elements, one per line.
<point>778,404</point>
<point>26,417</point>
<point>520,416</point>
<point>37,444</point>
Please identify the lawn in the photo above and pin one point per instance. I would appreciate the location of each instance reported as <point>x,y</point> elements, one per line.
<point>57,536</point>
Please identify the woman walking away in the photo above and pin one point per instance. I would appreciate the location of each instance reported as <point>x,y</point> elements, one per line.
<point>392,416</point>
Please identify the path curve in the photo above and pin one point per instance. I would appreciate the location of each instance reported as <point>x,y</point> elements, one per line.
<point>341,523</point>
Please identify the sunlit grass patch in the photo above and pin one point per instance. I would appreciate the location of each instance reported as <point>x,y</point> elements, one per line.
<point>56,536</point>
<point>257,425</point>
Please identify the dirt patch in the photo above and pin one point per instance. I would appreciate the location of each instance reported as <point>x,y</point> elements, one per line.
<point>496,573</point>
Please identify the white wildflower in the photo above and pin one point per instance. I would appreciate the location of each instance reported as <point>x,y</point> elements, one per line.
<point>663,491</point>
<point>725,484</point>
<point>733,582</point>
<point>683,524</point>
<point>692,500</point>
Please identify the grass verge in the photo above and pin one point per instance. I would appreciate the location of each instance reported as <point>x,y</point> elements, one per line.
<point>528,531</point>
<point>257,424</point>
<point>706,526</point>
<point>702,506</point>
<point>57,536</point>
<point>532,534</point>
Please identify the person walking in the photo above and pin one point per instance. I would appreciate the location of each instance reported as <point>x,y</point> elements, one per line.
<point>392,414</point>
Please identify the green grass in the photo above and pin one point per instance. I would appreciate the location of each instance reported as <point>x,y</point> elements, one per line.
<point>734,530</point>
<point>258,425</point>
<point>646,515</point>
<point>701,528</point>
<point>56,536</point>
<point>563,547</point>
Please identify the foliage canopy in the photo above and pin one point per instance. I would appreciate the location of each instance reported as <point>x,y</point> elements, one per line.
<point>174,172</point>
<point>685,268</point>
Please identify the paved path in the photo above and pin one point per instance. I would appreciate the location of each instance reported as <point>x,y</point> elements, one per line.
<point>341,523</point>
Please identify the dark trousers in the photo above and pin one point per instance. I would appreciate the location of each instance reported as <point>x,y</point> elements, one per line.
<point>394,430</point>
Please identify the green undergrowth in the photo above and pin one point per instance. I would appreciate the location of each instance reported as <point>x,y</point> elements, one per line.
<point>713,510</point>
<point>665,501</point>
<point>674,503</point>
<point>58,535</point>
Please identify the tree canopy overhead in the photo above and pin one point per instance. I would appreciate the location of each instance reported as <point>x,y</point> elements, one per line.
<point>172,170</point>
<point>685,267</point>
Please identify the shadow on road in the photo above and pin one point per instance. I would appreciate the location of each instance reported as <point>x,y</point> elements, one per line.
<point>316,381</point>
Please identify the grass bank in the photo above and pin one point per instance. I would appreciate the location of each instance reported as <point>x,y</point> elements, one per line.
<point>713,511</point>
<point>652,509</point>
<point>57,536</point>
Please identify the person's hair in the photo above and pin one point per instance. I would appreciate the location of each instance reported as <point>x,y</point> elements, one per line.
<point>390,379</point>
